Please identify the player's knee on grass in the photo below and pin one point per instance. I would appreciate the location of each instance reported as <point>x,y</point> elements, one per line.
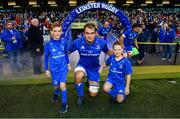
<point>106,89</point>
<point>120,98</point>
<point>93,89</point>
<point>79,76</point>
<point>107,86</point>
<point>63,86</point>
<point>56,87</point>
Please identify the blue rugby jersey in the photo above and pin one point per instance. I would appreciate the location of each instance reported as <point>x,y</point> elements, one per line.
<point>89,53</point>
<point>129,37</point>
<point>102,31</point>
<point>55,54</point>
<point>119,69</point>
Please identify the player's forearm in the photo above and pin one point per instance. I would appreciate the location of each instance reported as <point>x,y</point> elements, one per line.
<point>121,40</point>
<point>136,43</point>
<point>69,67</point>
<point>128,81</point>
<point>103,65</point>
<point>110,52</point>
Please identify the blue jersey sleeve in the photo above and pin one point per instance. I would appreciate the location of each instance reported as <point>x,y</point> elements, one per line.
<point>104,46</point>
<point>46,56</point>
<point>128,67</point>
<point>161,35</point>
<point>125,33</point>
<point>5,37</point>
<point>110,25</point>
<point>74,46</point>
<point>172,35</point>
<point>108,62</point>
<point>66,52</point>
<point>99,31</point>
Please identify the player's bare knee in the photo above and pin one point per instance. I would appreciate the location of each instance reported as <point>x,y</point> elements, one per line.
<point>79,76</point>
<point>120,99</point>
<point>107,86</point>
<point>106,89</point>
<point>63,86</point>
<point>56,87</point>
<point>93,94</point>
<point>78,81</point>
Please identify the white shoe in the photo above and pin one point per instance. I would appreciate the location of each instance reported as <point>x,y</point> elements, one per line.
<point>163,59</point>
<point>169,60</point>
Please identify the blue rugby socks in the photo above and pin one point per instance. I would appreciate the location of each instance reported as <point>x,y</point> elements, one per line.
<point>64,96</point>
<point>80,89</point>
<point>56,91</point>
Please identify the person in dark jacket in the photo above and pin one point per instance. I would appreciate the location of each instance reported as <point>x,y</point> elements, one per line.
<point>24,40</point>
<point>36,45</point>
<point>154,38</point>
<point>142,37</point>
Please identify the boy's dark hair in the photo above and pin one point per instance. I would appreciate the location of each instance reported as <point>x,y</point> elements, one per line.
<point>90,25</point>
<point>8,21</point>
<point>116,43</point>
<point>136,25</point>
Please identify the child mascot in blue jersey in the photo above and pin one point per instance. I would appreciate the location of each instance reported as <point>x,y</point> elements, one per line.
<point>119,77</point>
<point>55,55</point>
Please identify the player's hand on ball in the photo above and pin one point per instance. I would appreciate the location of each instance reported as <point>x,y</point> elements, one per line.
<point>126,91</point>
<point>69,67</point>
<point>48,74</point>
<point>100,69</point>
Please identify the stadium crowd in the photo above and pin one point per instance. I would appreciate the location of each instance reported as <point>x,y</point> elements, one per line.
<point>154,22</point>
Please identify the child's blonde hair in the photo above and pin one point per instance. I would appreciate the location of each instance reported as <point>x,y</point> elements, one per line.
<point>53,25</point>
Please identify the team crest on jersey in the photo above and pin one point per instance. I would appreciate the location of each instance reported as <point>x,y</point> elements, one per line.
<point>82,47</point>
<point>97,47</point>
<point>120,66</point>
<point>120,91</point>
<point>53,50</point>
<point>62,47</point>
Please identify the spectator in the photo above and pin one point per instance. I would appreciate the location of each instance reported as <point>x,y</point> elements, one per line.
<point>168,37</point>
<point>36,45</point>
<point>11,38</point>
<point>142,37</point>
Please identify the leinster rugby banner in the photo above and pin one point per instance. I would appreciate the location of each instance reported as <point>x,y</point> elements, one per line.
<point>97,5</point>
